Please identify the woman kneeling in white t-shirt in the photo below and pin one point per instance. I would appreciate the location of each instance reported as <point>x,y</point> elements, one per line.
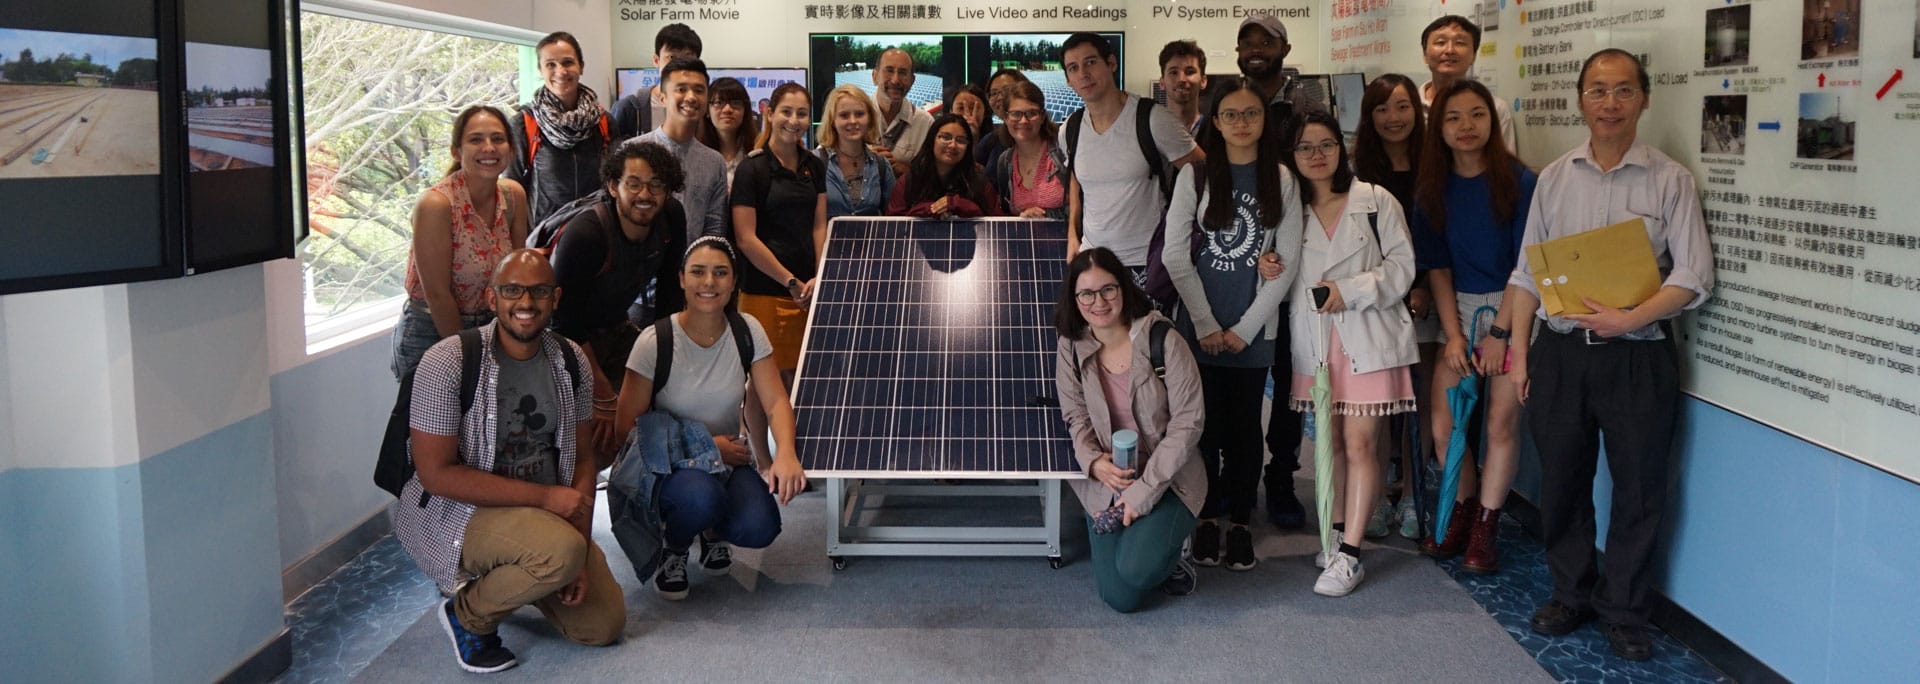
<point>707,384</point>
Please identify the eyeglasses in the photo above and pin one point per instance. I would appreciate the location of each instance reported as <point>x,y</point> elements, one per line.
<point>736,104</point>
<point>1326,148</point>
<point>949,138</point>
<point>1233,116</point>
<point>1023,114</point>
<point>653,186</point>
<point>1108,293</point>
<point>513,292</point>
<point>1622,93</point>
<point>1002,91</point>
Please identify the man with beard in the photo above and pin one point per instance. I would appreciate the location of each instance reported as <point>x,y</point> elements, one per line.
<point>902,125</point>
<point>705,196</point>
<point>1449,46</point>
<point>1262,46</point>
<point>605,260</point>
<point>1183,75</point>
<point>501,518</point>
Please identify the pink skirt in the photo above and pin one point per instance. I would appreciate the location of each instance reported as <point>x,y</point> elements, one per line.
<point>1384,392</point>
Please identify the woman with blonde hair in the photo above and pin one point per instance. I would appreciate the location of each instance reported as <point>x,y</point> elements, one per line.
<point>859,180</point>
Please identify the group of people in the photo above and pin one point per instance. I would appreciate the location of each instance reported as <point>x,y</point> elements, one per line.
<point>1220,246</point>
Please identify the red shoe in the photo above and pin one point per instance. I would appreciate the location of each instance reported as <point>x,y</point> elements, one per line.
<point>1483,549</point>
<point>1458,526</point>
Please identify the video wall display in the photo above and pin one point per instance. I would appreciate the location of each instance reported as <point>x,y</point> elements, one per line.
<point>760,81</point>
<point>86,177</point>
<point>941,59</point>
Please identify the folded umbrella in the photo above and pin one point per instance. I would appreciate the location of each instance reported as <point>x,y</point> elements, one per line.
<point>1322,394</point>
<point>1461,398</point>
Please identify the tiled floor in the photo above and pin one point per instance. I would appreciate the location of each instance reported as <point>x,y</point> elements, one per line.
<point>352,616</point>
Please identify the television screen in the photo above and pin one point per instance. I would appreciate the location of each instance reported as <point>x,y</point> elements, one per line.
<point>760,81</point>
<point>946,58</point>
<point>238,193</point>
<point>1347,91</point>
<point>86,168</point>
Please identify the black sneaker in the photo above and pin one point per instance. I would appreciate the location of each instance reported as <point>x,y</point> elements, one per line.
<point>716,557</point>
<point>1284,509</point>
<point>671,579</point>
<point>1240,548</point>
<point>1558,619</point>
<point>1182,581</point>
<point>477,653</point>
<point>1206,544</point>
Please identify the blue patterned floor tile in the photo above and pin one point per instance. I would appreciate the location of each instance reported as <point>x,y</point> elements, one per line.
<point>349,618</point>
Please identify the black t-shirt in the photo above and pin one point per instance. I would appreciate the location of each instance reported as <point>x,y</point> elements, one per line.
<point>783,202</point>
<point>1400,185</point>
<point>592,300</point>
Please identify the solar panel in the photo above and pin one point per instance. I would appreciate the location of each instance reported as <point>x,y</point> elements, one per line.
<point>929,346</point>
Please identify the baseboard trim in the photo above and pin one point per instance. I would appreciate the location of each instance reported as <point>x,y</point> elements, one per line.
<point>296,579</point>
<point>267,662</point>
<point>1719,651</point>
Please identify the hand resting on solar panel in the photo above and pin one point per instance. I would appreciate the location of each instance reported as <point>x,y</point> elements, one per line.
<point>1106,380</point>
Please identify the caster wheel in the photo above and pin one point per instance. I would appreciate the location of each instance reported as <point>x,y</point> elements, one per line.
<point>839,562</point>
<point>1055,562</point>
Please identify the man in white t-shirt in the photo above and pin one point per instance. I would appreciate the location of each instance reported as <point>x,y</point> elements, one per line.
<point>903,125</point>
<point>1115,201</point>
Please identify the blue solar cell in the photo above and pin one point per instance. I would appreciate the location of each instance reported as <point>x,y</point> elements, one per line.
<point>929,344</point>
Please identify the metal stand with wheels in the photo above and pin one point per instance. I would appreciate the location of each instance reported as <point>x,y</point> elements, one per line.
<point>853,501</point>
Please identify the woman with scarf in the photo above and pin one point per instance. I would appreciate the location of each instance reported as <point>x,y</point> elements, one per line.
<point>561,135</point>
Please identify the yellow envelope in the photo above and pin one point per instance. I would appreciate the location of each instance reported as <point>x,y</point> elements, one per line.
<point>1613,265</point>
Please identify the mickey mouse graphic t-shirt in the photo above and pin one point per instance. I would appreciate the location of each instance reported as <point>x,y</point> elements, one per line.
<point>527,416</point>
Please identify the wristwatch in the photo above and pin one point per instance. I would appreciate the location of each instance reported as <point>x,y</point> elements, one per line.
<point>793,282</point>
<point>1497,332</point>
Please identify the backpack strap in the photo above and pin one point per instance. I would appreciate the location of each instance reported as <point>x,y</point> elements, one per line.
<point>533,137</point>
<point>1073,136</point>
<point>663,353</point>
<point>1143,131</point>
<point>469,367</point>
<point>572,364</point>
<point>1157,347</point>
<point>743,340</point>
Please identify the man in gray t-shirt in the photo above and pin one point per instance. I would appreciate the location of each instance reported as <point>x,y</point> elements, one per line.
<point>1114,201</point>
<point>527,416</point>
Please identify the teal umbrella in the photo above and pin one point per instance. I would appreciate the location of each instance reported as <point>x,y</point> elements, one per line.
<point>1322,394</point>
<point>1461,398</point>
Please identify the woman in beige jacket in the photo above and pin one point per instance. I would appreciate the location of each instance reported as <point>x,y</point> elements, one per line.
<point>1106,324</point>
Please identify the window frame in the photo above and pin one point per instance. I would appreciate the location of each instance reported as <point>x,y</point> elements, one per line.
<point>375,318</point>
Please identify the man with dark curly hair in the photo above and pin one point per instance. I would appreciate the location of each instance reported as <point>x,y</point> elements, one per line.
<point>608,259</point>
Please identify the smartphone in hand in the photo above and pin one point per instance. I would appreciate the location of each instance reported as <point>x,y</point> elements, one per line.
<point>1320,295</point>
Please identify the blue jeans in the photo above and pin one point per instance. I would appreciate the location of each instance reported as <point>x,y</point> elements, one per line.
<point>414,334</point>
<point>739,509</point>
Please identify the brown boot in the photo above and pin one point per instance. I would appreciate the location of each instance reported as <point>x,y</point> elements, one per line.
<point>1457,531</point>
<point>1483,548</point>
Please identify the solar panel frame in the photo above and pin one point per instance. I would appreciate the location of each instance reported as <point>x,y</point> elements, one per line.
<point>929,349</point>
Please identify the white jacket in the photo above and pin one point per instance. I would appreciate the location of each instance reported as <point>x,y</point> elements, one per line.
<point>1375,328</point>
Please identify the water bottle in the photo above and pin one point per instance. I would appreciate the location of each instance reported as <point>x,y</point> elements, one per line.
<point>1124,444</point>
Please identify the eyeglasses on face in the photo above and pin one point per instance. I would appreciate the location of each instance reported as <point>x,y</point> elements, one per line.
<point>652,185</point>
<point>949,138</point>
<point>1023,114</point>
<point>513,291</point>
<point>734,104</point>
<point>1309,150</point>
<point>1108,293</point>
<point>1234,116</point>
<point>1622,93</point>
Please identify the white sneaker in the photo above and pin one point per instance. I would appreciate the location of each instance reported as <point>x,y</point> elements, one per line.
<point>1342,575</point>
<point>1320,559</point>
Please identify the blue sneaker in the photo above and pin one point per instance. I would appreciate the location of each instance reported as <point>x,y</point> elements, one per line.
<point>477,653</point>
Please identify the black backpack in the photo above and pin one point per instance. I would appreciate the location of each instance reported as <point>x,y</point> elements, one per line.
<point>663,351</point>
<point>1159,285</point>
<point>395,464</point>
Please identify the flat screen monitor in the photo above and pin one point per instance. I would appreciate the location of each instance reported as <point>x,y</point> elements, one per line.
<point>239,191</point>
<point>942,59</point>
<point>1347,91</point>
<point>89,166</point>
<point>760,81</point>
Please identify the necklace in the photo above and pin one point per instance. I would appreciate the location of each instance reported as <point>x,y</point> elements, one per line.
<point>701,338</point>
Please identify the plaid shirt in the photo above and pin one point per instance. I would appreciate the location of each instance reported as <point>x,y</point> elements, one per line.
<point>433,533</point>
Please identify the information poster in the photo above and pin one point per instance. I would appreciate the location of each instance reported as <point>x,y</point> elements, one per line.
<point>1802,128</point>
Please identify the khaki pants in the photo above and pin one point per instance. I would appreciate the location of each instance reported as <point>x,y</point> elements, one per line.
<point>526,555</point>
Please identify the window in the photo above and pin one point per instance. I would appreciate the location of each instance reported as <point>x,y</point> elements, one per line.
<point>379,100</point>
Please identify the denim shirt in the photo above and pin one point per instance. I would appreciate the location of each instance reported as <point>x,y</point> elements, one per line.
<point>873,200</point>
<point>658,445</point>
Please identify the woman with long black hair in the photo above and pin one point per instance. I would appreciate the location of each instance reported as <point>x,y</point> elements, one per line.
<point>943,180</point>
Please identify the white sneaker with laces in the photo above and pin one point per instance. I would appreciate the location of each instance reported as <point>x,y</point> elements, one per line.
<point>1342,575</point>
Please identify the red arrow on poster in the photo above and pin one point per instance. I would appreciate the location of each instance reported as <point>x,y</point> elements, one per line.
<point>1823,80</point>
<point>1889,86</point>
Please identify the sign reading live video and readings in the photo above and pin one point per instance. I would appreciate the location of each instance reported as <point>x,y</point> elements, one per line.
<point>1800,120</point>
